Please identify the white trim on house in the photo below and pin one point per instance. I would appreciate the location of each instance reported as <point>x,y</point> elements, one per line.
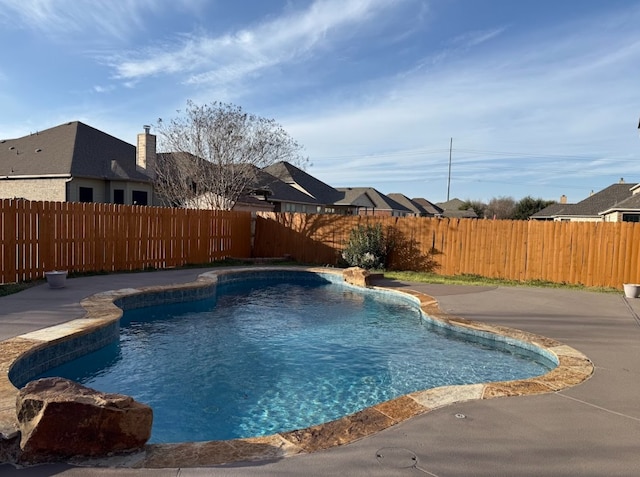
<point>38,176</point>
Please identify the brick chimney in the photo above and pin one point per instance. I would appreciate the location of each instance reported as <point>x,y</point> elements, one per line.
<point>146,153</point>
<point>563,199</point>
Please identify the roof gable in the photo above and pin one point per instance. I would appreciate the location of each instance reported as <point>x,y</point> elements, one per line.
<point>451,208</point>
<point>70,149</point>
<point>403,200</point>
<point>430,207</point>
<point>629,204</point>
<point>306,183</point>
<point>553,210</point>
<point>355,196</point>
<point>280,191</point>
<point>453,204</point>
<point>602,200</point>
<point>42,153</point>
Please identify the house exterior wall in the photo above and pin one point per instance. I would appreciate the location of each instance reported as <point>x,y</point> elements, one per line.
<point>34,189</point>
<point>301,208</point>
<point>129,188</point>
<point>623,216</point>
<point>613,217</point>
<point>582,219</point>
<point>375,212</point>
<point>98,187</point>
<point>103,191</point>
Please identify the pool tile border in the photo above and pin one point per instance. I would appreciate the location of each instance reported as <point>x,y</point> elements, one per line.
<point>26,354</point>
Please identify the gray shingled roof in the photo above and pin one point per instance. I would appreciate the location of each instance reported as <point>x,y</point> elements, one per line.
<point>430,207</point>
<point>615,197</point>
<point>369,197</point>
<point>299,179</point>
<point>280,191</point>
<point>451,208</point>
<point>261,180</point>
<point>600,201</point>
<point>70,149</point>
<point>631,203</point>
<point>414,207</point>
<point>553,210</point>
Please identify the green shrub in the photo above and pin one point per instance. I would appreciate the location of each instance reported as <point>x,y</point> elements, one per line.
<point>366,247</point>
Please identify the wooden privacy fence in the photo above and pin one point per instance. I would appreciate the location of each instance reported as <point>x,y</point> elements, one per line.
<point>588,253</point>
<point>87,237</point>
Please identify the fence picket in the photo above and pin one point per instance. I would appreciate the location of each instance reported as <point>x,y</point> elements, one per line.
<point>39,236</point>
<point>588,253</point>
<point>90,237</point>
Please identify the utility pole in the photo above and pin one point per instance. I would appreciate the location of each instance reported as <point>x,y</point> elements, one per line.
<point>449,181</point>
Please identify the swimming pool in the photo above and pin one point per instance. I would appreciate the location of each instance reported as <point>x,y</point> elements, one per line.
<point>281,351</point>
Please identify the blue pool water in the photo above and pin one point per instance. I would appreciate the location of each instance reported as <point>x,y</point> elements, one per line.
<point>263,357</point>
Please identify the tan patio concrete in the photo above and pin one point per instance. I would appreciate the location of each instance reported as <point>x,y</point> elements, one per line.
<point>592,429</point>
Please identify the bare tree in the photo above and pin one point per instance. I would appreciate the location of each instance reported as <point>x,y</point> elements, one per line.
<point>214,153</point>
<point>500,208</point>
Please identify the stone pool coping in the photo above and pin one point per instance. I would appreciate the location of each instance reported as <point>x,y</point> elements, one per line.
<point>101,312</point>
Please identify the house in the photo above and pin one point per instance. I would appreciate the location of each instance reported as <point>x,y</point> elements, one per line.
<point>430,208</point>
<point>452,209</point>
<point>369,201</point>
<point>415,208</point>
<point>74,162</point>
<point>283,196</point>
<point>627,210</point>
<point>619,202</point>
<point>420,207</point>
<point>256,189</point>
<point>552,211</point>
<point>326,198</point>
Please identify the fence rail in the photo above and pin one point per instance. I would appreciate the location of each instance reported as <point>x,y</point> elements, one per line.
<point>87,237</point>
<point>588,253</point>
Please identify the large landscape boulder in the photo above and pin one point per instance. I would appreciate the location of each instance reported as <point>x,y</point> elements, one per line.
<point>357,276</point>
<point>59,418</point>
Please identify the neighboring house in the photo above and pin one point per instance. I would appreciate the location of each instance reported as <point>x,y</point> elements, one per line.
<point>451,209</point>
<point>262,192</point>
<point>616,203</point>
<point>325,196</point>
<point>552,212</point>
<point>627,210</point>
<point>282,196</point>
<point>430,208</point>
<point>369,201</point>
<point>415,208</point>
<point>420,207</point>
<point>74,162</point>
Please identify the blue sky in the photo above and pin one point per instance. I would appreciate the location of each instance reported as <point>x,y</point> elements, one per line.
<point>541,98</point>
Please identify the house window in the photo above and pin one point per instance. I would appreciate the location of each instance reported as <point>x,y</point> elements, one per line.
<point>139,197</point>
<point>118,196</point>
<point>85,194</point>
<point>631,217</point>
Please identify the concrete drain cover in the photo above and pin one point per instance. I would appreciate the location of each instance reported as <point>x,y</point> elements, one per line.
<point>396,457</point>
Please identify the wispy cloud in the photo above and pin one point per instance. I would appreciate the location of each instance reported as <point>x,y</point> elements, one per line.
<point>65,18</point>
<point>475,38</point>
<point>564,102</point>
<point>236,55</point>
<point>103,89</point>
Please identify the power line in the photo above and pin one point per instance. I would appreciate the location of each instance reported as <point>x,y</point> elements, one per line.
<point>475,152</point>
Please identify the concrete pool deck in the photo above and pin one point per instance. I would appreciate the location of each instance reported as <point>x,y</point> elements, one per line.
<point>589,429</point>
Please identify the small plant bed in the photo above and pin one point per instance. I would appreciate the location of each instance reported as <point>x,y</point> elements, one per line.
<point>11,288</point>
<point>483,281</point>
